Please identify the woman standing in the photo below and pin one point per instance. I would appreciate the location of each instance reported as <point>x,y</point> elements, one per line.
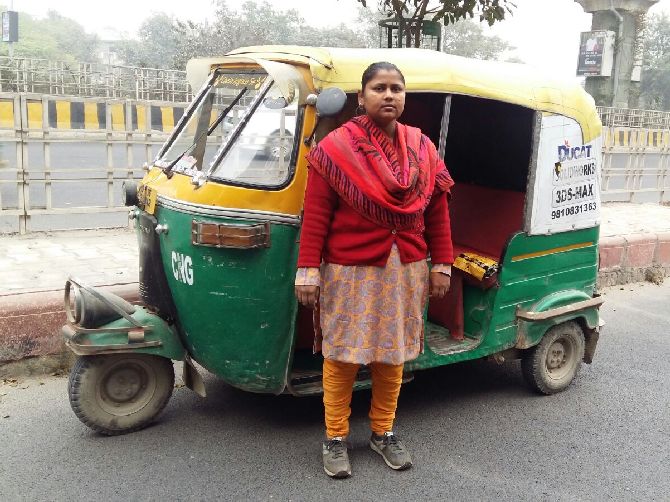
<point>375,205</point>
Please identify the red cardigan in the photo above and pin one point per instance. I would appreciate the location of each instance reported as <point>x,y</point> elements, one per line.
<point>334,232</point>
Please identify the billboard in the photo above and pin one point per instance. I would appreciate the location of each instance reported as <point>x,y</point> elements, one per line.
<point>10,26</point>
<point>596,53</point>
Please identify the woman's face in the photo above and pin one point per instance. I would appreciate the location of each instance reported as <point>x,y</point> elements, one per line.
<point>383,97</point>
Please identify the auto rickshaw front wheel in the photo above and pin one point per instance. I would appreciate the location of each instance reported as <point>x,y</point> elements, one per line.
<point>120,393</point>
<point>552,364</point>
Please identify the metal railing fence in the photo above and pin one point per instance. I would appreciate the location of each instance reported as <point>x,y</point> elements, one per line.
<point>636,155</point>
<point>63,160</point>
<point>72,172</point>
<point>92,80</point>
<point>634,118</point>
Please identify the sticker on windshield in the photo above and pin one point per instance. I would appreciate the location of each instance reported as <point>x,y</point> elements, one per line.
<point>185,163</point>
<point>239,81</point>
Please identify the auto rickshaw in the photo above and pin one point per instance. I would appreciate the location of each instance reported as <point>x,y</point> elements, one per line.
<point>218,215</point>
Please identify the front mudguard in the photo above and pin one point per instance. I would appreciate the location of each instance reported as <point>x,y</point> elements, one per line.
<point>155,337</point>
<point>557,308</point>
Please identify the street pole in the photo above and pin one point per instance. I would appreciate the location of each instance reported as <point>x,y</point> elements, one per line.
<point>621,88</point>
<point>11,44</point>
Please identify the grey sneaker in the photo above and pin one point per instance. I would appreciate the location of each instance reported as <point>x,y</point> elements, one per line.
<point>392,451</point>
<point>335,458</point>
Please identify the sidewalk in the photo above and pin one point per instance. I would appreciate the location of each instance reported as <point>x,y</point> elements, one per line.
<point>634,246</point>
<point>43,261</point>
<point>634,243</point>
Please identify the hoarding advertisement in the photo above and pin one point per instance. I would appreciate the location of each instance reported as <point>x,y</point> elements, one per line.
<point>595,53</point>
<point>10,26</point>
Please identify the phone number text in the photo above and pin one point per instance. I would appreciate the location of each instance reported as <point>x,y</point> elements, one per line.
<point>573,210</point>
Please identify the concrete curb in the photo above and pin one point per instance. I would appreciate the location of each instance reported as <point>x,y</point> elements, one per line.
<point>30,328</point>
<point>31,343</point>
<point>634,258</point>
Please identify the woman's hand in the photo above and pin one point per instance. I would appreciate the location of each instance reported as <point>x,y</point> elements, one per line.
<point>439,284</point>
<point>307,295</point>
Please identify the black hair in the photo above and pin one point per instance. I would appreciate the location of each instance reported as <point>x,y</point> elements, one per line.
<point>372,70</point>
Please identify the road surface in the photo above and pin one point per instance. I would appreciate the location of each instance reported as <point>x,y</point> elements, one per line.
<point>475,431</point>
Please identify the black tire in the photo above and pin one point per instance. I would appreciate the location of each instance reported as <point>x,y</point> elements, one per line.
<point>552,365</point>
<point>120,393</point>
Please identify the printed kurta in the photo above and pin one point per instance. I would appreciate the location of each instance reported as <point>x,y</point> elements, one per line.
<point>373,314</point>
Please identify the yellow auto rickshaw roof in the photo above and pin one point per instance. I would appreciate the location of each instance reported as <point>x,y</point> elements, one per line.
<point>427,70</point>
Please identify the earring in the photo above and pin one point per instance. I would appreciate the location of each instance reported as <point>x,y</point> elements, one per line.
<point>360,110</point>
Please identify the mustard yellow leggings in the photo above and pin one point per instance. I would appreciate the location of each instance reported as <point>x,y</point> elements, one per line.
<point>338,381</point>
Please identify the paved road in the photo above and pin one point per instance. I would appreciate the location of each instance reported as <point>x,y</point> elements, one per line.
<point>476,433</point>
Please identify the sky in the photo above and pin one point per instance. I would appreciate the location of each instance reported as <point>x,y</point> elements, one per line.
<point>544,32</point>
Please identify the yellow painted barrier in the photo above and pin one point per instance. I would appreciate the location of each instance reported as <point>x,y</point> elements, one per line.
<point>7,114</point>
<point>63,120</point>
<point>118,116</point>
<point>141,117</point>
<point>167,115</point>
<point>91,118</point>
<point>34,112</point>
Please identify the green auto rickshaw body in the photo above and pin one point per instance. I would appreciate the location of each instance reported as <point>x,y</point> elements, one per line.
<point>159,337</point>
<point>236,307</point>
<point>225,246</point>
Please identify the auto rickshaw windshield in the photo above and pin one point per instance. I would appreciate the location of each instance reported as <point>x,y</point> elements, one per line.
<point>240,132</point>
<point>195,142</point>
<point>260,151</point>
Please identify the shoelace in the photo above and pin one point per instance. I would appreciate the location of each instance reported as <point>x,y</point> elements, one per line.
<point>392,441</point>
<point>336,447</point>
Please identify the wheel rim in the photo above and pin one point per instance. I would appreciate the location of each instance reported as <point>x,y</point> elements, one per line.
<point>127,387</point>
<point>560,360</point>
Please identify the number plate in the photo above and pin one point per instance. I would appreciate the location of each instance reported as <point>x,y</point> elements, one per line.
<point>147,198</point>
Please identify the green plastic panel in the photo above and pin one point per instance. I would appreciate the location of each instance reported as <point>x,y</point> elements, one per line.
<point>534,268</point>
<point>236,307</point>
<point>171,347</point>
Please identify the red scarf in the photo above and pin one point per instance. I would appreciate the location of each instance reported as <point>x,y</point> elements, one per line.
<point>389,184</point>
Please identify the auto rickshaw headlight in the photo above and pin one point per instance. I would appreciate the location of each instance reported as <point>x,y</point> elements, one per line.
<point>91,308</point>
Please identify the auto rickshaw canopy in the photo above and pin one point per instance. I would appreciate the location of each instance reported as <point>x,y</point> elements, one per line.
<point>426,71</point>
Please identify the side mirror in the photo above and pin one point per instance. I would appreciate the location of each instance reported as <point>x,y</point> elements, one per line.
<point>330,102</point>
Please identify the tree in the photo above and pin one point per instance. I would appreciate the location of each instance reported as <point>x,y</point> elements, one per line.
<point>655,81</point>
<point>466,38</point>
<point>55,37</point>
<point>156,45</point>
<point>70,36</point>
<point>166,42</point>
<point>448,11</point>
<point>255,23</point>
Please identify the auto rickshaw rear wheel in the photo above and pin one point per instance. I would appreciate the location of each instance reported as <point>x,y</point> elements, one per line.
<point>120,393</point>
<point>552,364</point>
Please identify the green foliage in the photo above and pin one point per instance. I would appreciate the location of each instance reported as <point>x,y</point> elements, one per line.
<point>156,45</point>
<point>447,11</point>
<point>463,38</point>
<point>655,82</point>
<point>253,24</point>
<point>466,38</point>
<point>166,42</point>
<point>55,37</point>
